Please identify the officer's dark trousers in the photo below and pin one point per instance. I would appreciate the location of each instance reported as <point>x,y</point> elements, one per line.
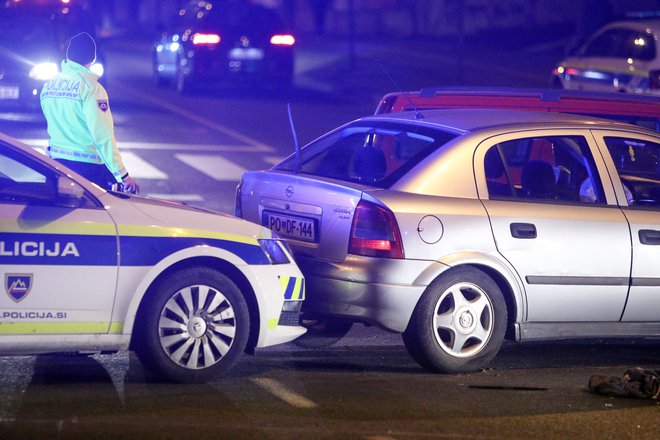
<point>98,174</point>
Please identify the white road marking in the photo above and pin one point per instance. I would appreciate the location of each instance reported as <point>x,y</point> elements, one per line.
<point>177,197</point>
<point>129,145</point>
<point>144,97</point>
<point>215,167</point>
<point>140,168</point>
<point>272,160</point>
<point>281,392</point>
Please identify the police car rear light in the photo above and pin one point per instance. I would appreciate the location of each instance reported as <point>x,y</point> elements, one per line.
<point>206,38</point>
<point>282,40</point>
<point>374,232</point>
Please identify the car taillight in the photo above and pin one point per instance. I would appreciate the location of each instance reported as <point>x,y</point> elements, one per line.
<point>655,79</point>
<point>282,40</point>
<point>374,232</point>
<point>206,39</point>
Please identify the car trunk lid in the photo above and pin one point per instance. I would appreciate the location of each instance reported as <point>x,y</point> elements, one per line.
<point>314,214</point>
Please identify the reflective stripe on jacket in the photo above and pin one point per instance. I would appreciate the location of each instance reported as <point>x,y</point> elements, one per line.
<point>80,124</point>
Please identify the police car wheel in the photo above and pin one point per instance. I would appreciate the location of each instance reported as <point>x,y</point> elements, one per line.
<point>459,323</point>
<point>193,327</point>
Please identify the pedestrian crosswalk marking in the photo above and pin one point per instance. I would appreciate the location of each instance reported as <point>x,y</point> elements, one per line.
<point>177,197</point>
<point>216,167</point>
<point>141,169</point>
<point>178,110</point>
<point>128,145</point>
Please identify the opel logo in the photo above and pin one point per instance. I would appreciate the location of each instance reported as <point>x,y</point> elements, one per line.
<point>289,191</point>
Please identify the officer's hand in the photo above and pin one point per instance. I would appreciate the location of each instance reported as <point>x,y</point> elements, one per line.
<point>130,185</point>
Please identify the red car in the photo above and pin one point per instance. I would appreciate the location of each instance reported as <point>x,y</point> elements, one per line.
<point>635,109</point>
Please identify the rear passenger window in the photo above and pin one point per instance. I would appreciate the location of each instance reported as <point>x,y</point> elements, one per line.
<point>637,163</point>
<point>553,169</point>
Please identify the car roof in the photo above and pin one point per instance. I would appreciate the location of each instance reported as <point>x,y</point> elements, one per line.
<point>469,120</point>
<point>652,24</point>
<point>547,100</point>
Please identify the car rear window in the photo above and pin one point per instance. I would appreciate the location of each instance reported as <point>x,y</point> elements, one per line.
<point>376,154</point>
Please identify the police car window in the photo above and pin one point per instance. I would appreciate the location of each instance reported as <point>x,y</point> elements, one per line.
<point>549,168</point>
<point>15,171</point>
<point>24,180</point>
<point>603,45</point>
<point>637,162</point>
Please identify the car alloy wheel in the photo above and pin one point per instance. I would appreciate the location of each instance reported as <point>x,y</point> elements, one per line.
<point>459,323</point>
<point>463,320</point>
<point>197,327</point>
<point>193,325</point>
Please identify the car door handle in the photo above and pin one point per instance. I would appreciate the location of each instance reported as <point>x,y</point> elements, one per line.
<point>649,236</point>
<point>523,230</point>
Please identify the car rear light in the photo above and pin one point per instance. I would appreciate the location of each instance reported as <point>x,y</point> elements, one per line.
<point>282,40</point>
<point>655,79</point>
<point>206,39</point>
<point>374,232</point>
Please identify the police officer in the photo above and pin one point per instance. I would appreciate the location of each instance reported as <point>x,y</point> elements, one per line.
<point>80,124</point>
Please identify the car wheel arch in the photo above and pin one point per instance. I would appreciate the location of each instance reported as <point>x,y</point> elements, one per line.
<point>223,266</point>
<point>504,276</point>
<point>434,344</point>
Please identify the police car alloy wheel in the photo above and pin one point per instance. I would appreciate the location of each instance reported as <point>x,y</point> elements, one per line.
<point>459,324</point>
<point>194,326</point>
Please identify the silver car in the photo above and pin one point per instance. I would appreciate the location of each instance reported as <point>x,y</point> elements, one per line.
<point>460,228</point>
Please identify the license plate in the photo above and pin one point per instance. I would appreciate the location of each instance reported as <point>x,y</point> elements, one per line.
<point>8,92</point>
<point>242,53</point>
<point>291,226</point>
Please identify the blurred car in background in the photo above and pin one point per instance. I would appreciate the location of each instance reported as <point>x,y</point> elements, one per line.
<point>622,56</point>
<point>634,109</point>
<point>459,228</point>
<point>224,41</point>
<point>33,37</point>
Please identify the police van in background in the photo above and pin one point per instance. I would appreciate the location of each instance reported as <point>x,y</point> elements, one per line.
<point>85,270</point>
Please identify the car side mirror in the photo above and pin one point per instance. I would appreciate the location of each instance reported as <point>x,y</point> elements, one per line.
<point>69,192</point>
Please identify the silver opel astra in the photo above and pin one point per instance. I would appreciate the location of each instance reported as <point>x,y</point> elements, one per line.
<point>460,228</point>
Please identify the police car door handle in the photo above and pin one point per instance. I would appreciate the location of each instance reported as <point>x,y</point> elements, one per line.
<point>523,230</point>
<point>649,236</point>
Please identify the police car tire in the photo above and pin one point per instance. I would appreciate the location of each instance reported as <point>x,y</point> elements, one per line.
<point>465,302</point>
<point>223,347</point>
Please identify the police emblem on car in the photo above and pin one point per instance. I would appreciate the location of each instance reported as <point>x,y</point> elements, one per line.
<point>18,285</point>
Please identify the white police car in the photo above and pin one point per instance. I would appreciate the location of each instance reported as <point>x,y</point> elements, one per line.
<point>85,270</point>
<point>623,56</point>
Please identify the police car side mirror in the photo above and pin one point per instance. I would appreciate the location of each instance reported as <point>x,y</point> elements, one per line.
<point>69,193</point>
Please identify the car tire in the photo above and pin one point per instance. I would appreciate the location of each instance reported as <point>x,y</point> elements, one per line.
<point>459,323</point>
<point>193,326</point>
<point>322,332</point>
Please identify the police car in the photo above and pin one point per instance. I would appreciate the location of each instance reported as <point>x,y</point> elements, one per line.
<point>85,270</point>
<point>623,56</point>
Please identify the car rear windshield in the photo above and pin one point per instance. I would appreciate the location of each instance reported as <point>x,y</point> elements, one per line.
<point>376,154</point>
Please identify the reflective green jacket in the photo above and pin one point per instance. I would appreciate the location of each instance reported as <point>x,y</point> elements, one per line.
<point>80,124</point>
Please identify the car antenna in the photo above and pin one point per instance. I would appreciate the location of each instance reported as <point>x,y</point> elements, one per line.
<point>296,168</point>
<point>418,114</point>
